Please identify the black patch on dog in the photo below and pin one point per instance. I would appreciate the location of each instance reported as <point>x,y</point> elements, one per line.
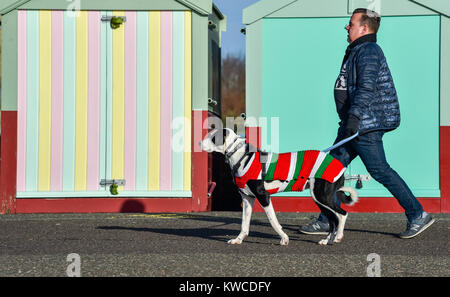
<point>219,137</point>
<point>257,187</point>
<point>226,196</point>
<point>324,193</point>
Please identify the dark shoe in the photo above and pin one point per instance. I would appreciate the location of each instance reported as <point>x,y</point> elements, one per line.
<point>315,228</point>
<point>417,226</point>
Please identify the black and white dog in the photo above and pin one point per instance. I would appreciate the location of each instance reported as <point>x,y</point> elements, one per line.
<point>239,154</point>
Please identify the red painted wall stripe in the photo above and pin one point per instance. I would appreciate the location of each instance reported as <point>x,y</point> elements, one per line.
<point>199,162</point>
<point>365,204</point>
<point>8,162</point>
<point>445,168</point>
<point>99,205</point>
<point>253,136</point>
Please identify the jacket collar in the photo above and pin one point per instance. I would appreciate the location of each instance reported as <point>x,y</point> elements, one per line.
<point>366,38</point>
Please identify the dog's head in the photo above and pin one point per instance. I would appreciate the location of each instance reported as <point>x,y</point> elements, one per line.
<point>218,140</point>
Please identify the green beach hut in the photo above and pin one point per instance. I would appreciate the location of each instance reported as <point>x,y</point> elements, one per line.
<point>293,55</point>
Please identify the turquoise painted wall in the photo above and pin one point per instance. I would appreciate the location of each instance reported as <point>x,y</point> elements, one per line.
<point>301,58</point>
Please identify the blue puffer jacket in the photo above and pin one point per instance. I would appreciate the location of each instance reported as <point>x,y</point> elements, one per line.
<point>372,95</point>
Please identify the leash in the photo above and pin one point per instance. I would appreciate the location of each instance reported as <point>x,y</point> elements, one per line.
<point>343,141</point>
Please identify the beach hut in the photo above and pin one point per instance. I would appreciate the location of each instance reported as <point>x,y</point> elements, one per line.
<point>99,104</point>
<point>294,51</point>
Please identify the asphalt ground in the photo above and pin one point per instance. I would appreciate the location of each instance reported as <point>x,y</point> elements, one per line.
<point>194,245</point>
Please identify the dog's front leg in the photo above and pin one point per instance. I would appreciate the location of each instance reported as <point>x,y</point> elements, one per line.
<point>270,212</point>
<point>247,208</point>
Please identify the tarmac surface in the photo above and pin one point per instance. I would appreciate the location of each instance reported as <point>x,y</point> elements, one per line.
<point>195,245</point>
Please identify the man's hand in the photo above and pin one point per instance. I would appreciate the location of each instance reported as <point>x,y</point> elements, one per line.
<point>351,126</point>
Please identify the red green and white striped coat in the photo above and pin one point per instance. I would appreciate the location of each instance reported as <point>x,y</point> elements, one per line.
<point>294,168</point>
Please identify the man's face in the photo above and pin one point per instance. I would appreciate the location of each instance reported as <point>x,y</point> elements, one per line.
<point>354,28</point>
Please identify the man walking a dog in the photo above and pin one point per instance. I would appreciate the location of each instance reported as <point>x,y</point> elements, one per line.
<point>366,101</point>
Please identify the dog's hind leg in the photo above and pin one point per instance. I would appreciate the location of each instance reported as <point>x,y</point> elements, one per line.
<point>323,194</point>
<point>340,229</point>
<point>333,223</point>
<point>257,187</point>
<point>341,214</point>
<point>247,208</point>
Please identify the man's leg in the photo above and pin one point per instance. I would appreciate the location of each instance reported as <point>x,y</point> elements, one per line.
<point>345,154</point>
<point>371,151</point>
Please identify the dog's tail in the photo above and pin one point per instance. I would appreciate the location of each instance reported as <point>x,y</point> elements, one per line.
<point>350,200</point>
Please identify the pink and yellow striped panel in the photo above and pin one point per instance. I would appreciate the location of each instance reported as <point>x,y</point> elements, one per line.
<point>81,82</point>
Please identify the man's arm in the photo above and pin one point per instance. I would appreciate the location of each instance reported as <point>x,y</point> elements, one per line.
<point>367,69</point>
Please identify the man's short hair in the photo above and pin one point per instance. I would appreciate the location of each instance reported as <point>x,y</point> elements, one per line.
<point>370,18</point>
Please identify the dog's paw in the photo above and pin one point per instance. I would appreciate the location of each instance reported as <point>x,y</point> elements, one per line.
<point>284,241</point>
<point>323,241</point>
<point>338,239</point>
<point>326,241</point>
<point>331,239</point>
<point>235,241</point>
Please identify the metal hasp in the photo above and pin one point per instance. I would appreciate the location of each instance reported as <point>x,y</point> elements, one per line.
<point>359,179</point>
<point>108,182</point>
<point>113,185</point>
<point>108,18</point>
<point>115,21</point>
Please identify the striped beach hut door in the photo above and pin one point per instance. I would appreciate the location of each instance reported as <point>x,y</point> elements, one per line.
<point>97,103</point>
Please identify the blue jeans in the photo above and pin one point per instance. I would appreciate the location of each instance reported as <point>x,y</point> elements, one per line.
<point>370,149</point>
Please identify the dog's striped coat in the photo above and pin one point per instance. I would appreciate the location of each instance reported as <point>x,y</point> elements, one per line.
<point>294,168</point>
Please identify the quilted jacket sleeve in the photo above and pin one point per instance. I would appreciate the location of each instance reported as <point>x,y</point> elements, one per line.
<point>367,67</point>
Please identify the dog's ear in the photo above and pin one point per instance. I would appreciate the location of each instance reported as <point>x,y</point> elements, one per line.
<point>225,134</point>
<point>219,137</point>
<point>216,138</point>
